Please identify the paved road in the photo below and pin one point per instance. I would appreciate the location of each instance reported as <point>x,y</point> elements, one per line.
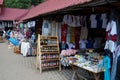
<point>17,67</point>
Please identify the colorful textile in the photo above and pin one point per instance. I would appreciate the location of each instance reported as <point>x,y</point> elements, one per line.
<point>64,32</point>
<point>14,41</point>
<point>106,64</point>
<point>84,33</point>
<point>111,36</point>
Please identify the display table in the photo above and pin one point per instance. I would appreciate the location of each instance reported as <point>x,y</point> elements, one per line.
<point>91,71</point>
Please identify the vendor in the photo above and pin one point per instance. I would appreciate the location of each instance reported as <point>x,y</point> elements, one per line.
<point>63,46</point>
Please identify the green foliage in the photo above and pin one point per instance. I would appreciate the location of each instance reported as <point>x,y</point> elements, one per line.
<point>24,4</point>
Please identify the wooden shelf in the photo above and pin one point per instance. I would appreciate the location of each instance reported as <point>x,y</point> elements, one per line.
<point>46,67</point>
<point>49,52</point>
<point>49,45</point>
<point>47,60</point>
<point>45,50</point>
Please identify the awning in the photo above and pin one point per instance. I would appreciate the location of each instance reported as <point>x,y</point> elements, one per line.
<point>1,2</point>
<point>9,14</point>
<point>50,6</point>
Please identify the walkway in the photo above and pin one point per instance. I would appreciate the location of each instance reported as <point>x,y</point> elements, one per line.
<point>17,67</point>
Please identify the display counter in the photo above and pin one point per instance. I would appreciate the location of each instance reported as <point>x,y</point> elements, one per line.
<point>85,68</point>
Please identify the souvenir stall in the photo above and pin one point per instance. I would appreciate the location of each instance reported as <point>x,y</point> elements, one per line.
<point>22,39</point>
<point>83,36</point>
<point>98,42</point>
<point>94,39</point>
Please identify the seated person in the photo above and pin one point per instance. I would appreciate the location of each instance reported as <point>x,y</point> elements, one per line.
<point>82,44</point>
<point>63,46</point>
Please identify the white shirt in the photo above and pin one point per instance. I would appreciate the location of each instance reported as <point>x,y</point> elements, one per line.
<point>111,45</point>
<point>112,26</point>
<point>113,29</point>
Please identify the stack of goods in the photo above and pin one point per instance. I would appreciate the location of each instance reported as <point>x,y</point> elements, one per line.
<point>68,52</point>
<point>1,39</point>
<point>16,50</point>
<point>65,54</point>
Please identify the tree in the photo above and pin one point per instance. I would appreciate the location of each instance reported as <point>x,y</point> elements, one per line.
<point>24,4</point>
<point>17,3</point>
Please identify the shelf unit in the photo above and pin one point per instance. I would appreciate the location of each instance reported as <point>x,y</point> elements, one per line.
<point>48,54</point>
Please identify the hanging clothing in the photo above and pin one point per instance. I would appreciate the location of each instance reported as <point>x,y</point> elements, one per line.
<point>68,34</point>
<point>114,65</point>
<point>72,35</point>
<point>32,23</point>
<point>46,28</point>
<point>65,19</point>
<point>59,31</point>
<point>110,54</point>
<point>77,21</point>
<point>53,24</point>
<point>117,77</point>
<point>71,20</point>
<point>28,24</point>
<point>84,33</point>
<point>73,23</point>
<point>99,21</point>
<point>111,45</point>
<point>77,38</point>
<point>104,20</point>
<point>21,25</point>
<point>93,21</point>
<point>111,36</point>
<point>64,32</point>
<point>114,28</point>
<point>106,65</point>
<point>88,22</point>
